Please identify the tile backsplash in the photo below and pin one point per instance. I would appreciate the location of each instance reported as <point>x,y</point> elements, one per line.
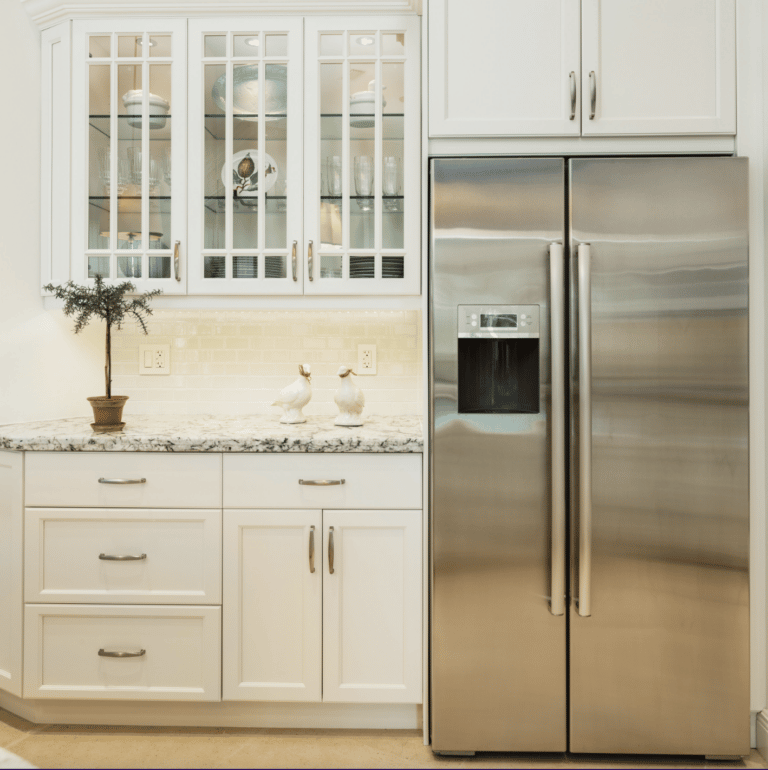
<point>237,361</point>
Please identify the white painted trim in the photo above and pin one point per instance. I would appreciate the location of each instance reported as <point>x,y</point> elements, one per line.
<point>48,12</point>
<point>752,25</point>
<point>55,154</point>
<point>207,302</point>
<point>761,734</point>
<point>584,145</point>
<point>426,516</point>
<point>12,556</point>
<point>373,716</point>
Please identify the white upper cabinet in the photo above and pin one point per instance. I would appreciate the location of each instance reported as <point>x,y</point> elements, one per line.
<point>662,67</point>
<point>362,125</point>
<point>503,67</point>
<point>237,155</point>
<point>129,151</point>
<point>245,155</point>
<point>581,67</point>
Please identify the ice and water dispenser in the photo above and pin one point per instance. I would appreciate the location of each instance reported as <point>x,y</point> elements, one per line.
<point>498,359</point>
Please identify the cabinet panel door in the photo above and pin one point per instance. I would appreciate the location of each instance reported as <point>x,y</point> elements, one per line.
<point>129,151</point>
<point>660,66</point>
<point>272,605</point>
<point>503,67</point>
<point>362,123</point>
<point>245,156</point>
<point>372,606</point>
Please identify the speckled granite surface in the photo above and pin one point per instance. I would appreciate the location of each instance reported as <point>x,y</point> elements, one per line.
<point>205,433</point>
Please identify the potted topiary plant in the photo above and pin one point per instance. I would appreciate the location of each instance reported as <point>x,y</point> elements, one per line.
<point>106,301</point>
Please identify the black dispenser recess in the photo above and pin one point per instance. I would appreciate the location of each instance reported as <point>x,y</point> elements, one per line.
<point>498,360</point>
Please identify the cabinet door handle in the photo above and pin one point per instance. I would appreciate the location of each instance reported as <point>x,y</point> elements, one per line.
<point>322,482</point>
<point>120,654</point>
<point>122,481</point>
<point>592,94</point>
<point>310,262</point>
<point>312,549</point>
<point>110,557</point>
<point>176,265</point>
<point>330,550</point>
<point>293,259</point>
<point>572,78</point>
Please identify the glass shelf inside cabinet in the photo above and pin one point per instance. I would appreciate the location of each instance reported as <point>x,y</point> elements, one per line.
<point>276,204</point>
<point>275,126</point>
<point>126,130</point>
<point>392,127</point>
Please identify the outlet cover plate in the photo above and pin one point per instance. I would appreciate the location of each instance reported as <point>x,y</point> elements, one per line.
<point>154,359</point>
<point>366,360</point>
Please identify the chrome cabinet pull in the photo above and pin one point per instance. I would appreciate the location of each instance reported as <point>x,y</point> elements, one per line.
<point>109,557</point>
<point>293,259</point>
<point>121,654</point>
<point>584,602</point>
<point>312,549</point>
<point>557,412</point>
<point>122,481</point>
<point>176,265</point>
<point>572,78</point>
<point>592,94</point>
<point>310,262</point>
<point>322,482</point>
<point>330,550</point>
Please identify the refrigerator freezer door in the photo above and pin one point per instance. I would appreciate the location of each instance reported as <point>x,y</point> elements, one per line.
<point>661,665</point>
<point>498,651</point>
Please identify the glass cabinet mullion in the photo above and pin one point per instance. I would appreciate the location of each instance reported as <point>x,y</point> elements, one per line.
<point>145,158</point>
<point>114,159</point>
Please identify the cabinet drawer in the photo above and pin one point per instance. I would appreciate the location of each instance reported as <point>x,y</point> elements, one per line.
<point>181,658</point>
<point>62,479</point>
<point>174,556</point>
<point>370,481</point>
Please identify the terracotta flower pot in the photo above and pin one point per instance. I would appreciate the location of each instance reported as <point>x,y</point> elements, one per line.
<point>107,413</point>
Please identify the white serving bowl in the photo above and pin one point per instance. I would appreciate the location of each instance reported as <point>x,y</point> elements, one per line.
<point>158,108</point>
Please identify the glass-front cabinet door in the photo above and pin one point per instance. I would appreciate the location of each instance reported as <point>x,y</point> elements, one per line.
<point>129,152</point>
<point>362,148</point>
<point>245,156</point>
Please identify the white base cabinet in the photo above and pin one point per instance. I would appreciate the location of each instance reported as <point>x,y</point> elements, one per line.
<point>283,578</point>
<point>127,653</point>
<point>372,607</point>
<point>322,605</point>
<point>272,619</point>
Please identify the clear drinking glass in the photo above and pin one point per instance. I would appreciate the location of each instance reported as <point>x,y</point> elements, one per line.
<point>364,175</point>
<point>334,176</point>
<point>390,176</point>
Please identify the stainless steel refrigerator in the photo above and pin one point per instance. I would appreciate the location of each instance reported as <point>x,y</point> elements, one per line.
<point>589,455</point>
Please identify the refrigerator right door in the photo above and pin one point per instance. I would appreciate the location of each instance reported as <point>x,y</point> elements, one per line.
<point>659,617</point>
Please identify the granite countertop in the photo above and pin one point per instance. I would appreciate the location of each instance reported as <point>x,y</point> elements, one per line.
<point>207,433</point>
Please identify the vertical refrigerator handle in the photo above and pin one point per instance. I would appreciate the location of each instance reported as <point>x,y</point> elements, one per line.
<point>557,415</point>
<point>584,602</point>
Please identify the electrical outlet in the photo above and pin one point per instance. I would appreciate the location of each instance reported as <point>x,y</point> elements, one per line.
<point>366,359</point>
<point>154,359</point>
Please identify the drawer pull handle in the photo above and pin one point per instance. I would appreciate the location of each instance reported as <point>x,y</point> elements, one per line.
<point>322,482</point>
<point>331,549</point>
<point>312,549</point>
<point>109,557</point>
<point>121,654</point>
<point>122,481</point>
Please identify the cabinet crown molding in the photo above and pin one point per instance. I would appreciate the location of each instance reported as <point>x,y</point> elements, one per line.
<point>48,12</point>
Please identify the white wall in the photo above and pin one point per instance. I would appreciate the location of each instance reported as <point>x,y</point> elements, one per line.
<point>45,370</point>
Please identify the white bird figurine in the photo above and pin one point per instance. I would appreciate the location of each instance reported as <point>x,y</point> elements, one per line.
<point>294,397</point>
<point>350,400</point>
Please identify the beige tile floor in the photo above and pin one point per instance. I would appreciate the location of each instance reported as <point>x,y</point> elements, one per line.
<point>64,746</point>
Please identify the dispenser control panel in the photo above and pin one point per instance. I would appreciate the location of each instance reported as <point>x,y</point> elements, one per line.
<point>498,321</point>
